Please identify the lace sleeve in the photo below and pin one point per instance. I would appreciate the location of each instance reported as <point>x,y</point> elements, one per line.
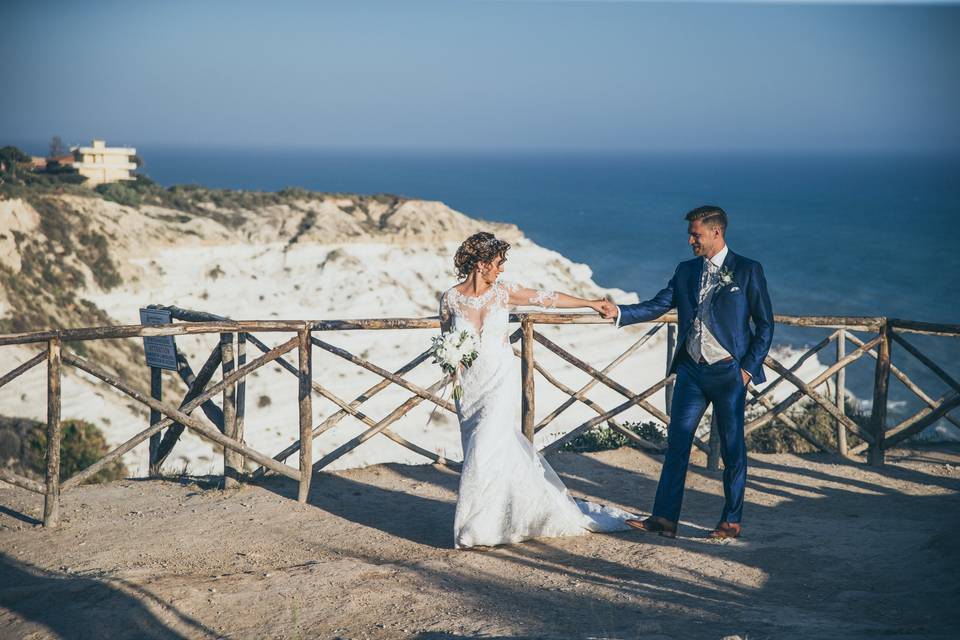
<point>521,297</point>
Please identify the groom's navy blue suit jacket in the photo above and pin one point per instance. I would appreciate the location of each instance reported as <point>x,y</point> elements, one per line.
<point>731,309</point>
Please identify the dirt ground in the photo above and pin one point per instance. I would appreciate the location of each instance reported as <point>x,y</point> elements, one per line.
<point>831,550</point>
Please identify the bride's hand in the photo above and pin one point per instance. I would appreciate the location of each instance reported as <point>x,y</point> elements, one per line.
<point>598,305</point>
<point>604,307</point>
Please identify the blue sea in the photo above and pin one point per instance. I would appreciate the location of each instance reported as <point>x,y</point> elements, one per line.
<point>838,234</point>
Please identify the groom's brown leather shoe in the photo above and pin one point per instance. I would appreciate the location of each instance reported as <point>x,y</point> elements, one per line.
<point>655,524</point>
<point>725,530</point>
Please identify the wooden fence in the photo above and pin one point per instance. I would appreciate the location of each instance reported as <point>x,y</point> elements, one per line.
<point>168,421</point>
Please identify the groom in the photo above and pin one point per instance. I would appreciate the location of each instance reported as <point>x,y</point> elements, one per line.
<point>716,295</point>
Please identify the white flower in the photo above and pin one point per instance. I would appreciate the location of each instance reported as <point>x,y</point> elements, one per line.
<point>454,349</point>
<point>726,276</point>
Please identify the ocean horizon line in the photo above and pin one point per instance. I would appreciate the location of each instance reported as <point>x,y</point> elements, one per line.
<point>39,147</point>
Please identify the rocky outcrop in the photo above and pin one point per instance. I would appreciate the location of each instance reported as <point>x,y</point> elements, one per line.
<point>77,259</point>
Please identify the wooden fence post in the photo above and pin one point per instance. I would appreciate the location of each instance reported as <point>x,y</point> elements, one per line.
<point>878,416</point>
<point>841,392</point>
<point>526,373</point>
<point>305,372</point>
<point>232,461</point>
<point>156,392</point>
<point>713,458</point>
<point>241,392</point>
<point>671,347</point>
<point>51,502</point>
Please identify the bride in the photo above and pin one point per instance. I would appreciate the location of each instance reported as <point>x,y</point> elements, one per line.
<point>508,492</point>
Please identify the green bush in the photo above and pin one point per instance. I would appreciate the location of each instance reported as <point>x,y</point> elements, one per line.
<point>295,193</point>
<point>11,158</point>
<point>10,154</point>
<point>143,183</point>
<point>53,177</point>
<point>23,446</point>
<point>56,219</point>
<point>94,251</point>
<point>777,437</point>
<point>119,193</point>
<point>59,223</point>
<point>17,173</point>
<point>603,437</point>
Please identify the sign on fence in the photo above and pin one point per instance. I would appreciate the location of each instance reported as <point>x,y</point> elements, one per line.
<point>161,350</point>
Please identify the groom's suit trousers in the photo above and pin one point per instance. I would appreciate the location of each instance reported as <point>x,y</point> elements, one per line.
<point>697,385</point>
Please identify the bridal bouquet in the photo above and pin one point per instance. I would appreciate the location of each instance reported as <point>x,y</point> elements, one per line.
<point>452,349</point>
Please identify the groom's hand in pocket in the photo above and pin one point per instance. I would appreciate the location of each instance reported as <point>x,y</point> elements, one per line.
<point>746,379</point>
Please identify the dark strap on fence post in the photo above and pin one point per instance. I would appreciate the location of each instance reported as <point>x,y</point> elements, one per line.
<point>241,392</point>
<point>156,392</point>
<point>878,416</point>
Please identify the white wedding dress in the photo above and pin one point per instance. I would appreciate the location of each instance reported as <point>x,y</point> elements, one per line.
<point>508,492</point>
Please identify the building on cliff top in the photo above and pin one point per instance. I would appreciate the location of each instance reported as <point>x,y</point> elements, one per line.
<point>100,164</point>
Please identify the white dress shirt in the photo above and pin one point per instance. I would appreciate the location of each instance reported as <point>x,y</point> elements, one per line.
<point>700,342</point>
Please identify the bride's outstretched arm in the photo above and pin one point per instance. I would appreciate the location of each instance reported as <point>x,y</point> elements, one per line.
<point>522,297</point>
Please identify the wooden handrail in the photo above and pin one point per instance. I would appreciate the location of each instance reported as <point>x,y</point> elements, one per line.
<point>929,328</point>
<point>371,324</point>
<point>876,437</point>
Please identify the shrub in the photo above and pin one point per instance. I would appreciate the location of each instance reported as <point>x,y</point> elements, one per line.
<point>94,251</point>
<point>142,183</point>
<point>776,437</point>
<point>10,158</point>
<point>603,437</point>
<point>55,220</point>
<point>295,193</point>
<point>119,193</point>
<point>23,445</point>
<point>54,176</point>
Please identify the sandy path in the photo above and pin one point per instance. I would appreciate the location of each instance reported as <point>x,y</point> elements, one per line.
<point>831,550</point>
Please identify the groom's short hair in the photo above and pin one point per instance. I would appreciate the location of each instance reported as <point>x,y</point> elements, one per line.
<point>709,214</point>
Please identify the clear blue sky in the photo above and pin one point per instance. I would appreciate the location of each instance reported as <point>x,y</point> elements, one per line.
<point>468,75</point>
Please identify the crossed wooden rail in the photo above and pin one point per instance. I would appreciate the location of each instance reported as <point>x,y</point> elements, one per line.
<point>167,422</point>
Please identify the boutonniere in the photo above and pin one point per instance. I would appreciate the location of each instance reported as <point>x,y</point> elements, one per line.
<point>726,276</point>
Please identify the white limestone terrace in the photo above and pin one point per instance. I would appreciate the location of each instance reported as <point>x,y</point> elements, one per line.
<point>326,257</point>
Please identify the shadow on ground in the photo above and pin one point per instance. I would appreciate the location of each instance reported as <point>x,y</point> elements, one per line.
<point>812,544</point>
<point>73,606</point>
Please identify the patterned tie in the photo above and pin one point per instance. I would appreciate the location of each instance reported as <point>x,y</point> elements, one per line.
<point>708,278</point>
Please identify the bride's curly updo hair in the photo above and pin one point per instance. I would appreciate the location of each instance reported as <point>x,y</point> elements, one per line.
<point>480,247</point>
